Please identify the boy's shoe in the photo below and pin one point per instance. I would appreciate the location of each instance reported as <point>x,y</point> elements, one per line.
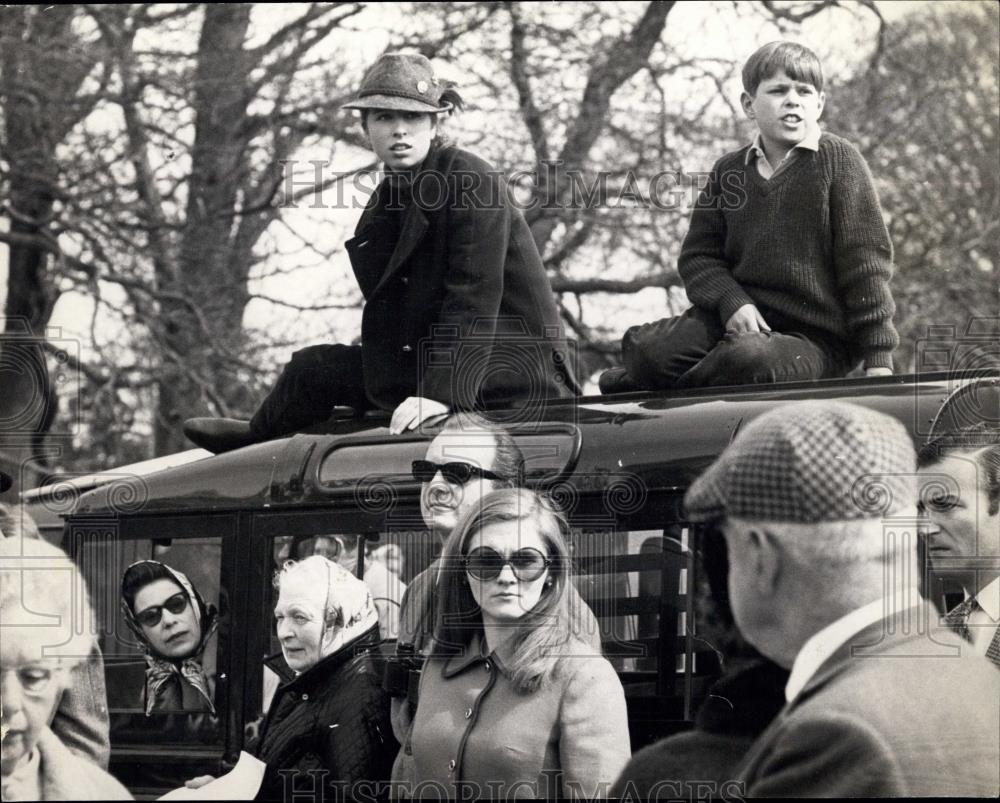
<point>617,380</point>
<point>219,434</point>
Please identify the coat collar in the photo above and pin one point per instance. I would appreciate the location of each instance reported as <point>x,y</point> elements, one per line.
<point>473,654</point>
<point>414,227</point>
<point>415,222</point>
<point>320,672</point>
<point>864,643</point>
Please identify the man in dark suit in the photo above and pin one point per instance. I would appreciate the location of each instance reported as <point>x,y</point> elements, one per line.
<point>817,502</point>
<point>959,468</point>
<point>459,312</point>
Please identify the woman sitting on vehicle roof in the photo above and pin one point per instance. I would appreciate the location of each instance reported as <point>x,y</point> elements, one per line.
<point>513,703</point>
<point>459,311</point>
<point>176,629</point>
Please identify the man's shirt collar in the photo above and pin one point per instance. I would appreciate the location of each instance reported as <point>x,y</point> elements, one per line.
<point>989,600</point>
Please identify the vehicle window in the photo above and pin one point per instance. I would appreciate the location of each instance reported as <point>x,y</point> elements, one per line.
<point>636,584</point>
<point>163,674</point>
<point>382,560</point>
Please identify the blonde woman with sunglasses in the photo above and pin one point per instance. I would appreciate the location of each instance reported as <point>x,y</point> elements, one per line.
<point>512,701</point>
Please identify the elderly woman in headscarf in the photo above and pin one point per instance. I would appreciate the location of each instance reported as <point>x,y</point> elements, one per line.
<point>176,629</point>
<point>328,723</point>
<point>42,597</point>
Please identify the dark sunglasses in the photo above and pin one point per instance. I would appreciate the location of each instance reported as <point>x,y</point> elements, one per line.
<point>486,564</point>
<point>151,616</point>
<point>457,473</point>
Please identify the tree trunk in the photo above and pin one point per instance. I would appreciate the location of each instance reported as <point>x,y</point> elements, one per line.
<point>203,323</point>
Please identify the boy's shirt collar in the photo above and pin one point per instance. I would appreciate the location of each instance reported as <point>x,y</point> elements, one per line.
<point>756,152</point>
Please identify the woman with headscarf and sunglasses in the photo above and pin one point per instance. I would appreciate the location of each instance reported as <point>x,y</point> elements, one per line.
<point>176,629</point>
<point>512,701</point>
<point>327,729</point>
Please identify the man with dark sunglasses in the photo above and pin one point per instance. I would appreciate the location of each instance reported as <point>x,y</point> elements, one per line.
<point>470,457</point>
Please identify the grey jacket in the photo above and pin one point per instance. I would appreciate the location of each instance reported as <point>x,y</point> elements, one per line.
<point>894,713</point>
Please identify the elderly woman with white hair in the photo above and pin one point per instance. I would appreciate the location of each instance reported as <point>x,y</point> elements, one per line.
<point>42,598</point>
<point>328,724</point>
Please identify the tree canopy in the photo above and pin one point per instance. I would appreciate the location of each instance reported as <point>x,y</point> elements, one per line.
<point>170,167</point>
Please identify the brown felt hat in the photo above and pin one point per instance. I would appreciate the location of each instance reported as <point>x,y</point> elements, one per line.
<point>403,82</point>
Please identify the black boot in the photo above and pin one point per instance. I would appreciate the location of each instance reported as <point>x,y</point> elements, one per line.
<point>219,434</point>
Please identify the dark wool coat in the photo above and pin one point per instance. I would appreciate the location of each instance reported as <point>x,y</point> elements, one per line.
<point>330,727</point>
<point>739,707</point>
<point>458,306</point>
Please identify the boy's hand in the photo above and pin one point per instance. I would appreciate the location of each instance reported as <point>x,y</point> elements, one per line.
<point>878,371</point>
<point>413,411</point>
<point>200,781</point>
<point>746,319</point>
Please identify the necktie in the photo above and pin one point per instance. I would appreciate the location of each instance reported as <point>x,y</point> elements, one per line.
<point>958,618</point>
<point>993,651</point>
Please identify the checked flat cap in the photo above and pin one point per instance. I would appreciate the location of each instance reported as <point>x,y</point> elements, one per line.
<point>810,462</point>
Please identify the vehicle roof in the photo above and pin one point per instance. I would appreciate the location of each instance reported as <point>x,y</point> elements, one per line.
<point>627,445</point>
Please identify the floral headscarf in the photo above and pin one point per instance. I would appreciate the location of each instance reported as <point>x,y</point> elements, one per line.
<point>160,670</point>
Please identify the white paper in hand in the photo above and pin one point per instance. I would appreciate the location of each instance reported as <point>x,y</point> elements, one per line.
<point>240,783</point>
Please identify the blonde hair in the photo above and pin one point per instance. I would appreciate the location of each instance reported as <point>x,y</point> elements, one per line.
<point>543,632</point>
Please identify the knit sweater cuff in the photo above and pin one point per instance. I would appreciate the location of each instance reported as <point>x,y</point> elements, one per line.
<point>878,359</point>
<point>731,302</point>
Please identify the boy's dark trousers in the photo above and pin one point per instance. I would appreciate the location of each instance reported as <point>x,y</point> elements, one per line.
<point>311,384</point>
<point>694,350</point>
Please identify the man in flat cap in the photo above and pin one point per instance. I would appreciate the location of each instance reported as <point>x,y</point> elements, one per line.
<point>822,582</point>
<point>959,468</point>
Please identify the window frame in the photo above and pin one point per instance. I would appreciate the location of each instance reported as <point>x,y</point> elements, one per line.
<point>131,759</point>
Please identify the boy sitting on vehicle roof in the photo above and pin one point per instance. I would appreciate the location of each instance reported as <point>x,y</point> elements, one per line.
<point>787,260</point>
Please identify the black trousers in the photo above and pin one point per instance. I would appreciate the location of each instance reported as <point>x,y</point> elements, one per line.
<point>694,350</point>
<point>314,381</point>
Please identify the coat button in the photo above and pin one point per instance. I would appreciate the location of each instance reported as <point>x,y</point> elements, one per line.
<point>451,765</point>
<point>407,348</point>
<point>468,713</point>
<point>405,279</point>
<point>487,665</point>
<point>305,697</point>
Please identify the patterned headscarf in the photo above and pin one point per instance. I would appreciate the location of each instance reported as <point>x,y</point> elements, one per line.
<point>160,670</point>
